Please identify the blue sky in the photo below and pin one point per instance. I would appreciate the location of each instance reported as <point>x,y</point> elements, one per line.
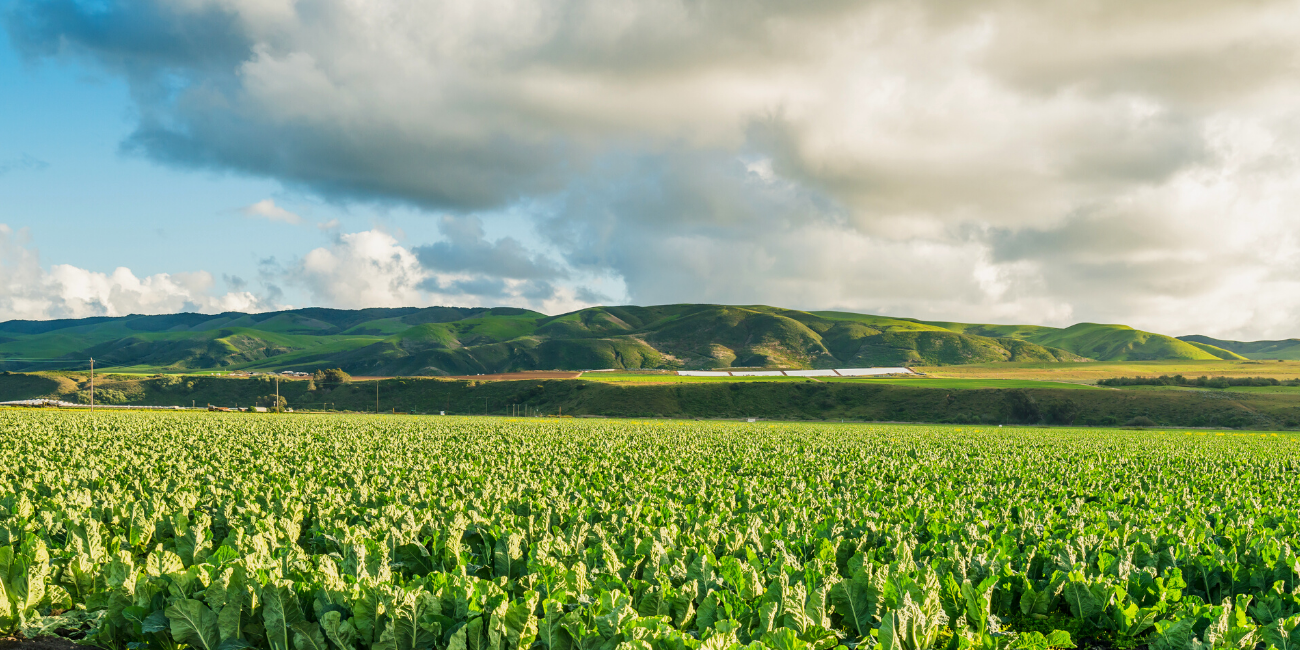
<point>86,201</point>
<point>985,161</point>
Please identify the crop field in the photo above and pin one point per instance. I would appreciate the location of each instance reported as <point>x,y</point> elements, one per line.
<point>219,531</point>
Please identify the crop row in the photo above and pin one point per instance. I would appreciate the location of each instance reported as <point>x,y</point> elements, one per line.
<point>157,531</point>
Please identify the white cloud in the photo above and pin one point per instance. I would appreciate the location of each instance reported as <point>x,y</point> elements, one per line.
<point>373,269</point>
<point>364,269</point>
<point>30,292</point>
<point>267,209</point>
<point>989,160</point>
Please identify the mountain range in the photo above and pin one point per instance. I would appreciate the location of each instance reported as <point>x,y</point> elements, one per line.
<point>467,341</point>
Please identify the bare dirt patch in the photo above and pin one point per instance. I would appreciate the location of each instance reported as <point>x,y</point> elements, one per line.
<point>42,643</point>
<point>511,376</point>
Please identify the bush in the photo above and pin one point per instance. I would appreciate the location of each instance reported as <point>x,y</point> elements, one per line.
<point>103,396</point>
<point>1140,421</point>
<point>331,378</point>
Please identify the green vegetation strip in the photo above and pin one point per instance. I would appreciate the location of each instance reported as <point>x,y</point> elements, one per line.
<point>221,531</point>
<point>962,383</point>
<point>913,382</point>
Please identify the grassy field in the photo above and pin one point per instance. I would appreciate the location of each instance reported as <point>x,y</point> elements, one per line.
<point>984,401</point>
<point>914,382</point>
<point>1259,390</point>
<point>311,532</point>
<point>665,378</point>
<point>1094,370</point>
<point>964,383</point>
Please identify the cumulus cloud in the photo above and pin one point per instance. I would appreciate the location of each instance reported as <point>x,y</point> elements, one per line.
<point>373,269</point>
<point>364,269</point>
<point>29,291</point>
<point>988,160</point>
<point>267,209</point>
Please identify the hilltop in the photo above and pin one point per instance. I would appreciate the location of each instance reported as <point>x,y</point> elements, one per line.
<point>466,341</point>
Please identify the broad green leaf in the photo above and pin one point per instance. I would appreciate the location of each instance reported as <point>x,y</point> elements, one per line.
<point>859,600</point>
<point>1174,635</point>
<point>1082,602</point>
<point>341,633</point>
<point>1036,604</point>
<point>280,611</point>
<point>367,612</point>
<point>307,636</point>
<point>520,624</point>
<point>1283,634</point>
<point>194,623</point>
<point>509,555</point>
<point>784,639</point>
<point>549,630</point>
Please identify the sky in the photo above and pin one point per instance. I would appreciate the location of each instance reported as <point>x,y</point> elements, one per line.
<point>1044,162</point>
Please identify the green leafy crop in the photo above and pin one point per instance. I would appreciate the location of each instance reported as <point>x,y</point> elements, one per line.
<point>217,532</point>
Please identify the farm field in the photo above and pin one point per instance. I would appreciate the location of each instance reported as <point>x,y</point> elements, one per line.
<point>224,531</point>
<point>1094,370</point>
<point>915,382</point>
<point>1264,390</point>
<point>962,383</point>
<point>668,378</point>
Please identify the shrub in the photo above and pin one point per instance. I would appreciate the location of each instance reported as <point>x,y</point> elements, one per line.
<point>331,377</point>
<point>1140,421</point>
<point>103,396</point>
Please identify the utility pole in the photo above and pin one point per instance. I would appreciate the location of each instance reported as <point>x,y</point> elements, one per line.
<point>92,385</point>
<point>376,397</point>
<point>277,394</point>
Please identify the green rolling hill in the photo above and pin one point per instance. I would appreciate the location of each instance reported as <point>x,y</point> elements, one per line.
<point>1288,349</point>
<point>467,341</point>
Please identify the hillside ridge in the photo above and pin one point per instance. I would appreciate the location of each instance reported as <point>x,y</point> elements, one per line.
<point>440,341</point>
